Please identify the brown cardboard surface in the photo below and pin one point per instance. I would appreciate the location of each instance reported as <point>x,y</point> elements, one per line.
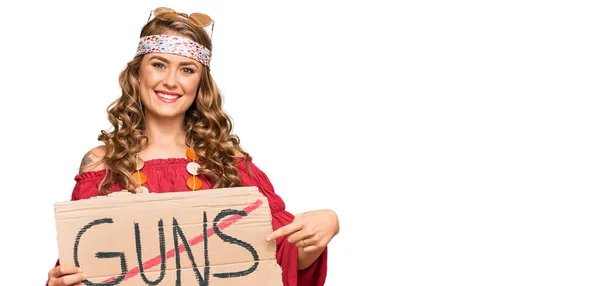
<point>110,237</point>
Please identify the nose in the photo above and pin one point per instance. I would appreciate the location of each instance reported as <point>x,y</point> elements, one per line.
<point>170,79</point>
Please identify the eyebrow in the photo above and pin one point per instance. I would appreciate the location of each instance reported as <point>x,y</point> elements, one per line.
<point>185,63</point>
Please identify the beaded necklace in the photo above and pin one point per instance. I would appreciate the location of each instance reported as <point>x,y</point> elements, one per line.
<point>193,169</point>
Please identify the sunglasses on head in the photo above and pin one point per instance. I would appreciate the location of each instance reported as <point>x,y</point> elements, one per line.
<point>199,20</point>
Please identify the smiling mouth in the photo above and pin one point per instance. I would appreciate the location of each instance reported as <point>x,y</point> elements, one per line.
<point>167,97</point>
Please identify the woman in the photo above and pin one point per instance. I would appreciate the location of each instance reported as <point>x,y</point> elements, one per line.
<point>170,134</point>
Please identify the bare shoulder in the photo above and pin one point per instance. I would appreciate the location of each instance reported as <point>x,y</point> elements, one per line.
<point>92,160</point>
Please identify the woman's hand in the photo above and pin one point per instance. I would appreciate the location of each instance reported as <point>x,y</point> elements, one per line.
<point>64,275</point>
<point>311,231</point>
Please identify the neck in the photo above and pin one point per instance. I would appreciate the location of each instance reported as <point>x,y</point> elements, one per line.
<point>165,133</point>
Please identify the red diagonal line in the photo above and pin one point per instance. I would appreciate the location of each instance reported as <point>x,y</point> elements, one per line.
<point>171,253</point>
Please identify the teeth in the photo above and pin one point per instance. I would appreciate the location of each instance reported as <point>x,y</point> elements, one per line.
<point>167,96</point>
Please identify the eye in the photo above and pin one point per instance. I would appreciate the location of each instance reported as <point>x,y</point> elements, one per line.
<point>188,70</point>
<point>158,65</point>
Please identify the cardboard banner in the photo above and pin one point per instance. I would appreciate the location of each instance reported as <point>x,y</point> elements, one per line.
<point>209,237</point>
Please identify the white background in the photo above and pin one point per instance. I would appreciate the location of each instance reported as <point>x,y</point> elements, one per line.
<point>457,140</point>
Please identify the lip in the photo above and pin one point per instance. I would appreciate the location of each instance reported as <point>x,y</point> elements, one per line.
<point>167,100</point>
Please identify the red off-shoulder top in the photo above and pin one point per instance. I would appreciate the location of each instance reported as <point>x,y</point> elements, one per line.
<point>170,175</point>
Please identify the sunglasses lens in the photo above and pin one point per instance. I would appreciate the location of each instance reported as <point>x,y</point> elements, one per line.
<point>166,16</point>
<point>163,10</point>
<point>200,19</point>
<point>164,13</point>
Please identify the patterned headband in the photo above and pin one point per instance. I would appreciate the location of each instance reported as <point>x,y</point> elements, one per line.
<point>174,45</point>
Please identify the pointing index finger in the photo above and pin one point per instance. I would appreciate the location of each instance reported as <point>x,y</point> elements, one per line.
<point>284,230</point>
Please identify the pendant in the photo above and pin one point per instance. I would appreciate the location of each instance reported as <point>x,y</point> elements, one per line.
<point>194,183</point>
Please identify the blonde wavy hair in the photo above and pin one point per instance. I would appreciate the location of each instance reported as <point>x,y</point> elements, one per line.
<point>208,128</point>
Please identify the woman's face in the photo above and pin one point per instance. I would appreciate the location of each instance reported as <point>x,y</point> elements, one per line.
<point>168,84</point>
